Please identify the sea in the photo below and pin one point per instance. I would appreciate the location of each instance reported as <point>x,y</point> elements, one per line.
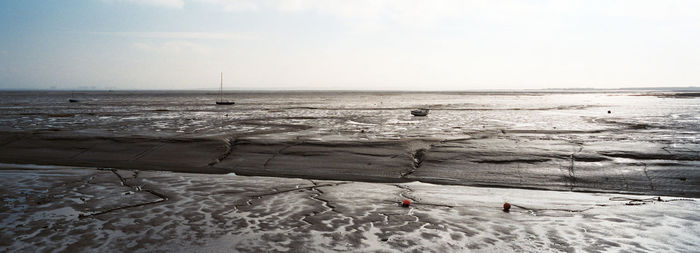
<point>636,115</point>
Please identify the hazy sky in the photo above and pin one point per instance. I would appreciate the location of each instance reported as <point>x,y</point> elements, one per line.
<point>352,44</point>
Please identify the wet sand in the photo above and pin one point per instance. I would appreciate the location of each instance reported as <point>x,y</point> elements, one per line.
<point>186,155</point>
<point>325,172</point>
<point>491,159</point>
<point>75,209</point>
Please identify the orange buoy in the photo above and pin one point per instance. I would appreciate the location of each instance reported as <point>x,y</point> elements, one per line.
<point>406,203</point>
<point>506,207</point>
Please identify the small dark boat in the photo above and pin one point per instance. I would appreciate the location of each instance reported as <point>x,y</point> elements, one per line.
<point>221,91</point>
<point>420,112</point>
<point>72,99</point>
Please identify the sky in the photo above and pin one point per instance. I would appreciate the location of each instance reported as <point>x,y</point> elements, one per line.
<point>348,44</point>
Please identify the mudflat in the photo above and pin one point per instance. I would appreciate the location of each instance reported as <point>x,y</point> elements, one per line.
<point>326,171</point>
<point>108,210</point>
<point>500,160</point>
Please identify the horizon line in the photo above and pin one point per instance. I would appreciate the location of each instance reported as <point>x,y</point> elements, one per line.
<point>675,88</point>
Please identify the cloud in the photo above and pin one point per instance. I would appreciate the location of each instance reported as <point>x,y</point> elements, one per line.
<point>159,3</point>
<point>178,35</point>
<point>233,6</point>
<point>173,47</point>
<point>428,13</point>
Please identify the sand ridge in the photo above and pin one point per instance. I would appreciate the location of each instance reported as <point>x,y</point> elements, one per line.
<point>500,160</point>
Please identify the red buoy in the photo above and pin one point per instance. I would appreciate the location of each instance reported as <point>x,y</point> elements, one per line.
<point>406,203</point>
<point>506,207</point>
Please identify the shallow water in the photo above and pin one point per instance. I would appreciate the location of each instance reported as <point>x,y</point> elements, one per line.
<point>343,115</point>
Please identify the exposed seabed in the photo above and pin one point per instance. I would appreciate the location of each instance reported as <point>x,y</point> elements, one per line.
<point>110,210</point>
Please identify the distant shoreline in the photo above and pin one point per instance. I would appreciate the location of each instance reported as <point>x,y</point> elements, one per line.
<point>543,90</point>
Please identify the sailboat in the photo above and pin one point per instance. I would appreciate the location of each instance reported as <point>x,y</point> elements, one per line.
<point>221,92</point>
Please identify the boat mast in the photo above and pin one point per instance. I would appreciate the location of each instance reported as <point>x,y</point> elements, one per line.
<point>221,87</point>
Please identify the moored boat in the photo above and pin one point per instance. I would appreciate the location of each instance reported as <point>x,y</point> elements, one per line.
<point>221,91</point>
<point>420,112</point>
